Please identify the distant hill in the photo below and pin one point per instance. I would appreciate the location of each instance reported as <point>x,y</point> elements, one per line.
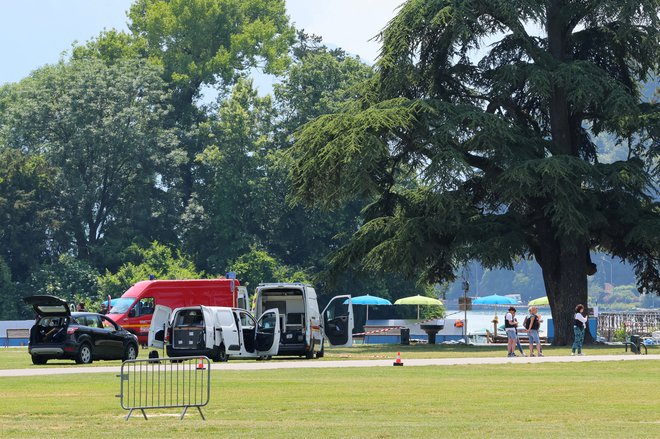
<point>527,280</point>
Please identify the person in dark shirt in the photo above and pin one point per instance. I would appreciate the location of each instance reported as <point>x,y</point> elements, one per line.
<point>533,331</point>
<point>579,326</point>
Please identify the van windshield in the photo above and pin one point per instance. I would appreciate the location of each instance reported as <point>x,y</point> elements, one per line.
<point>122,305</point>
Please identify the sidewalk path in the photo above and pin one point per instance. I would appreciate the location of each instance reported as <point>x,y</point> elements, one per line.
<point>309,364</point>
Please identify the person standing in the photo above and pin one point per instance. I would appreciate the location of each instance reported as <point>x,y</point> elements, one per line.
<point>579,326</point>
<point>533,331</point>
<point>511,325</point>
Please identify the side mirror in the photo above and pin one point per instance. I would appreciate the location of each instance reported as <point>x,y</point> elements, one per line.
<point>160,335</point>
<point>131,313</point>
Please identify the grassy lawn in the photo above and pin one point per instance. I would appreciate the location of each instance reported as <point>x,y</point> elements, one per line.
<point>609,399</point>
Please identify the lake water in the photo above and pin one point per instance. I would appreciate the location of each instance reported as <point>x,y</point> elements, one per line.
<point>481,319</point>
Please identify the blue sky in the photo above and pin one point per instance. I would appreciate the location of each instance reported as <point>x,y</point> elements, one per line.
<point>36,32</point>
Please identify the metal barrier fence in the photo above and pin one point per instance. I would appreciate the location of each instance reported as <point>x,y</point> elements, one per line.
<point>633,322</point>
<point>165,383</point>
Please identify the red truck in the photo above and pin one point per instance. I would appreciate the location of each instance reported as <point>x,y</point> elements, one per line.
<point>133,311</point>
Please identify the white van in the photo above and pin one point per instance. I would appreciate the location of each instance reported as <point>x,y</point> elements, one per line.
<point>303,329</point>
<point>217,332</point>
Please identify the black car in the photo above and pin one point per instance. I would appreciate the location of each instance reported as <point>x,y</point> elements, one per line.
<point>59,333</point>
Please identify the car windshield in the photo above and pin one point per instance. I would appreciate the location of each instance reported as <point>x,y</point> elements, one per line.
<point>122,305</point>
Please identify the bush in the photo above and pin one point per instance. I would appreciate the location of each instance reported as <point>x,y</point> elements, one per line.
<point>620,334</point>
<point>157,260</point>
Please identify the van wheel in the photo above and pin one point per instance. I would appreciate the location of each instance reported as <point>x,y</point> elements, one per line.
<point>310,353</point>
<point>221,354</point>
<point>84,354</point>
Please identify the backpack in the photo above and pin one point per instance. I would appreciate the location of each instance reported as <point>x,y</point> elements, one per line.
<point>527,323</point>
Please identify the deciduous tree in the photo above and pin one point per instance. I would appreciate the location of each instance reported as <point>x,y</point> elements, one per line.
<point>207,43</point>
<point>101,128</point>
<point>30,220</point>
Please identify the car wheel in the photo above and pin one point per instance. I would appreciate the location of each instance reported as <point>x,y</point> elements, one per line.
<point>36,359</point>
<point>84,354</point>
<point>130,353</point>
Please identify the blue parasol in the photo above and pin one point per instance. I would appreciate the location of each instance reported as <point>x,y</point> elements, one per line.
<point>368,300</point>
<point>494,299</point>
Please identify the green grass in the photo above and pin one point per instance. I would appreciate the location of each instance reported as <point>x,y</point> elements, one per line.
<point>365,352</point>
<point>609,399</point>
<point>18,358</point>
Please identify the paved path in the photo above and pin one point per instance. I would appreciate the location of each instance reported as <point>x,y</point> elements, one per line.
<point>310,364</point>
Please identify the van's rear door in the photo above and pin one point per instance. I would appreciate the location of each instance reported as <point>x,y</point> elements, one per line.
<point>159,325</point>
<point>242,299</point>
<point>268,333</point>
<point>209,327</point>
<point>338,321</point>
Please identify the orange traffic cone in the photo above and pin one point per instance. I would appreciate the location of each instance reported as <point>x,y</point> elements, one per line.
<point>200,364</point>
<point>398,361</point>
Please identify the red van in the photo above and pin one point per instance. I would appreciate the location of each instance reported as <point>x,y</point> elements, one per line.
<point>133,311</point>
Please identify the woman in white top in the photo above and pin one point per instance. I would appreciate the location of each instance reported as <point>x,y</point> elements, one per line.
<point>579,326</point>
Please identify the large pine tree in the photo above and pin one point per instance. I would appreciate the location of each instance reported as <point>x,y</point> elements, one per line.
<point>477,140</point>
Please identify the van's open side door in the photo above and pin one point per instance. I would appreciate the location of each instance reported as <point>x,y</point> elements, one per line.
<point>338,321</point>
<point>268,333</point>
<point>159,325</point>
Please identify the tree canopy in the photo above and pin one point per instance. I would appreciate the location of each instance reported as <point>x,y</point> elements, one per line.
<point>100,127</point>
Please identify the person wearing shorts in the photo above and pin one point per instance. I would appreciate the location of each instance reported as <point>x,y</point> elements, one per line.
<point>510,325</point>
<point>534,325</point>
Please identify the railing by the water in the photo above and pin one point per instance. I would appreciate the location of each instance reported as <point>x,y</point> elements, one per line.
<point>165,383</point>
<point>641,323</point>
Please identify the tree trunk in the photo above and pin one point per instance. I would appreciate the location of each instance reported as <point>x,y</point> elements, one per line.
<point>564,264</point>
<point>565,261</point>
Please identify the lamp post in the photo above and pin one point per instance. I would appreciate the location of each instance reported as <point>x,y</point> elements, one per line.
<point>476,279</point>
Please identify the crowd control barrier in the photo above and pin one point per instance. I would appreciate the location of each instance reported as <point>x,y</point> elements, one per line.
<point>165,383</point>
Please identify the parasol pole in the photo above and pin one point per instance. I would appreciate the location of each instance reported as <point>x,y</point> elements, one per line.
<point>466,287</point>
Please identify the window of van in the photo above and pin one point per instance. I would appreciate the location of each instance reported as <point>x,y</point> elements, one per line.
<point>191,317</point>
<point>225,318</point>
<point>144,307</point>
<point>247,321</point>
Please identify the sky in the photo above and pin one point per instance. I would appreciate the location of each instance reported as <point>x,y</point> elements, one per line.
<point>34,33</point>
